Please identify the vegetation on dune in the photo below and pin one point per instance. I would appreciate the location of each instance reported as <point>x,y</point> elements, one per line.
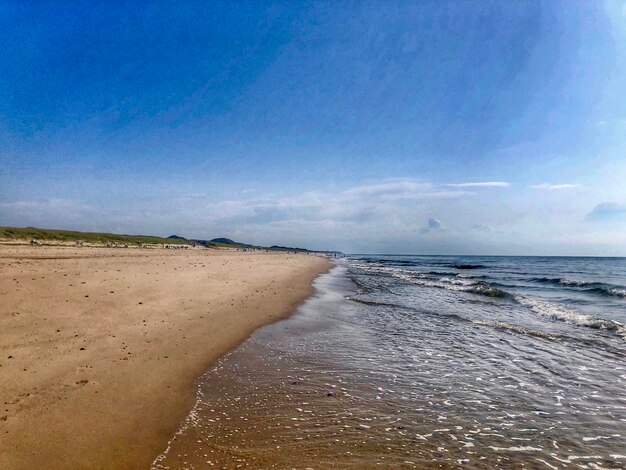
<point>30,233</point>
<point>43,235</point>
<point>228,243</point>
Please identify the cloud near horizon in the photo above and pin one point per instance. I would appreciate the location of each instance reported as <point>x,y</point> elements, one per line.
<point>391,209</point>
<point>392,215</point>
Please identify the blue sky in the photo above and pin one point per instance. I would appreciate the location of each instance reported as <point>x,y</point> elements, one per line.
<point>408,127</point>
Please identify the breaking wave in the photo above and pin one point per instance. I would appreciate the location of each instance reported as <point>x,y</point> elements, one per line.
<point>455,284</point>
<point>594,287</point>
<point>470,285</point>
<point>558,312</point>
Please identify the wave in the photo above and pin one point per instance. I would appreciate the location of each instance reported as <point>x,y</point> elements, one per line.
<point>610,291</point>
<point>565,282</point>
<point>508,327</point>
<point>543,308</point>
<point>398,262</point>
<point>488,323</point>
<point>471,276</point>
<point>516,329</point>
<point>377,304</point>
<point>467,266</point>
<point>455,284</point>
<point>439,273</point>
<point>558,312</point>
<point>594,287</point>
<point>483,288</point>
<point>363,289</point>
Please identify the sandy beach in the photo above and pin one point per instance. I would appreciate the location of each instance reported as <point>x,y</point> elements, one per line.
<point>100,347</point>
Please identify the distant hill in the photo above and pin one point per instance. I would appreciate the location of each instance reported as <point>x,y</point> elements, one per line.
<point>228,243</point>
<point>221,242</point>
<point>225,241</point>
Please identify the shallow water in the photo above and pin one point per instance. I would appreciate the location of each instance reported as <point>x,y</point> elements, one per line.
<point>426,362</point>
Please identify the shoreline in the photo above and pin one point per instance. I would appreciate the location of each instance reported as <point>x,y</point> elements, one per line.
<point>102,348</point>
<point>253,385</point>
<point>402,375</point>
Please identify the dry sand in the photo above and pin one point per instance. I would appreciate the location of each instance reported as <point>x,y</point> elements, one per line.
<point>100,348</point>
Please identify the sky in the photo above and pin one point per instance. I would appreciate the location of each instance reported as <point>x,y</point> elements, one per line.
<point>426,127</point>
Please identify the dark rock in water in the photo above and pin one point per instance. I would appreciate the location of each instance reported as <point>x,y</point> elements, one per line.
<point>329,394</point>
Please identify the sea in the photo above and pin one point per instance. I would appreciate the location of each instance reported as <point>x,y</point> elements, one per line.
<point>426,362</point>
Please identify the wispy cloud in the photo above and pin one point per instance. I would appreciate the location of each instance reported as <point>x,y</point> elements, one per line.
<point>554,186</point>
<point>401,189</point>
<point>391,187</point>
<point>353,205</point>
<point>481,184</point>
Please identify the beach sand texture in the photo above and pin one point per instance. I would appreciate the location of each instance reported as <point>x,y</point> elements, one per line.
<point>100,348</point>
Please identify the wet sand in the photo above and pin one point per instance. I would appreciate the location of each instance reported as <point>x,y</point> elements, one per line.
<point>100,347</point>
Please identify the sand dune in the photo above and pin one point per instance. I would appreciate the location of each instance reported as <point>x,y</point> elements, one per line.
<point>99,348</point>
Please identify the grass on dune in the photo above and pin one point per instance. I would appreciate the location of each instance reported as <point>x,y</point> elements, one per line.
<point>29,233</point>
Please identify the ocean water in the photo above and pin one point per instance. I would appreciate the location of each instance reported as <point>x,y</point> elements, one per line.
<point>426,362</point>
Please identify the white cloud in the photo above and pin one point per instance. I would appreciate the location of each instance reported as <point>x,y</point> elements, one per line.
<point>481,184</point>
<point>554,186</point>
